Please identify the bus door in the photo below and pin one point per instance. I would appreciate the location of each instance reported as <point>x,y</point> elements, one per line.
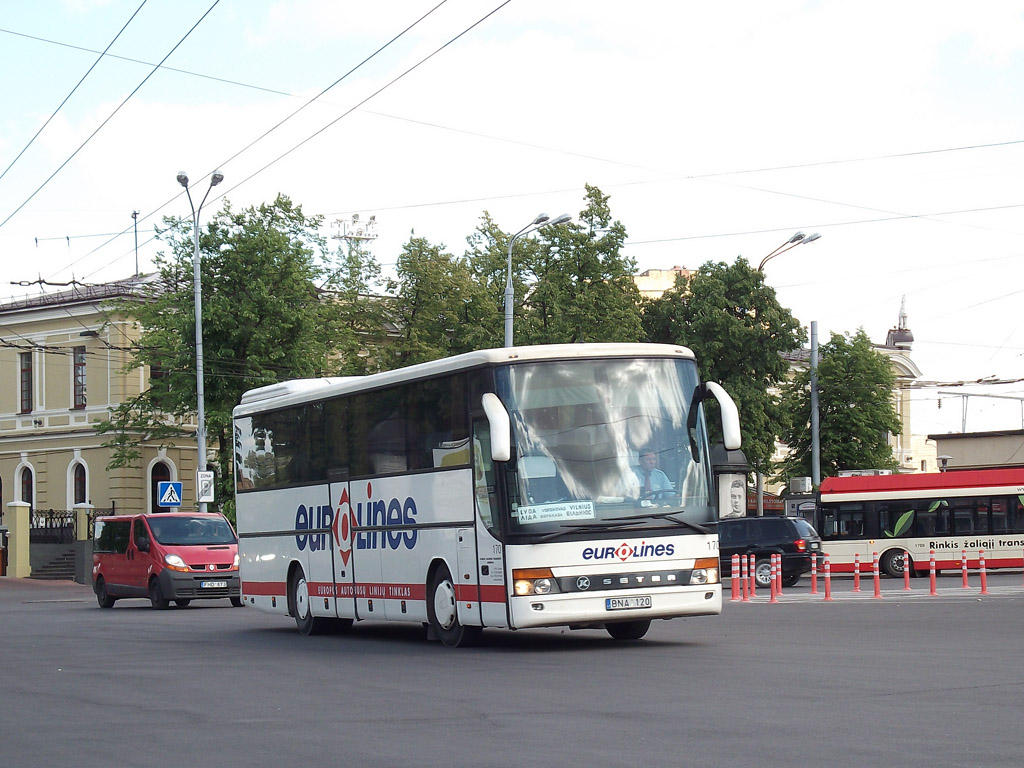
<point>489,559</point>
<point>343,551</point>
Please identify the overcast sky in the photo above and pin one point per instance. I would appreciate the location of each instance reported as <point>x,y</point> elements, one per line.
<point>894,129</point>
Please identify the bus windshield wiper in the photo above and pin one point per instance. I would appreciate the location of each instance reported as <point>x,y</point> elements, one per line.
<point>604,525</point>
<point>665,516</point>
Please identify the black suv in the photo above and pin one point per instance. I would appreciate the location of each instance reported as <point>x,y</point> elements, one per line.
<point>792,537</point>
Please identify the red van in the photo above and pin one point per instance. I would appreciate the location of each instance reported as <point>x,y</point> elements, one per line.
<point>179,556</point>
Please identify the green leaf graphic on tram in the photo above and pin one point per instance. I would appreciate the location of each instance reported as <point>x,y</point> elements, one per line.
<point>902,524</point>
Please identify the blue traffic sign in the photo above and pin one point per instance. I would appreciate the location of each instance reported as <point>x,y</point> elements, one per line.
<point>168,494</point>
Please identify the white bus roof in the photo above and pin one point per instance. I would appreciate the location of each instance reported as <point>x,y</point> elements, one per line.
<point>297,391</point>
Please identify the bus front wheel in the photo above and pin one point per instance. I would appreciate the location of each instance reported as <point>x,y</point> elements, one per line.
<point>443,612</point>
<point>628,630</point>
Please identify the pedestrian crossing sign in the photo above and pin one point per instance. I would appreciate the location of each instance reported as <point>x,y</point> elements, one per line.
<point>168,494</point>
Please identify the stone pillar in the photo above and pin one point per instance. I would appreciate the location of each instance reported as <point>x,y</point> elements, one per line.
<point>18,522</point>
<point>83,544</point>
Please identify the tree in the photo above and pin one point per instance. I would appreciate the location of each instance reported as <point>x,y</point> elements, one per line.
<point>582,285</point>
<point>739,332</point>
<point>263,321</point>
<point>439,308</point>
<point>856,412</point>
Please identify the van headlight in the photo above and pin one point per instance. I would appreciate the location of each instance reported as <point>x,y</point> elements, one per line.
<point>533,581</point>
<point>175,563</point>
<point>705,571</point>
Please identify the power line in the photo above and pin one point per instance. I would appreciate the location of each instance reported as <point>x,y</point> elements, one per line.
<point>72,90</point>
<point>111,115</point>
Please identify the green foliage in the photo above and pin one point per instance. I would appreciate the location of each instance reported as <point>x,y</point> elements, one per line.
<point>263,321</point>
<point>581,285</point>
<point>739,332</point>
<point>856,413</point>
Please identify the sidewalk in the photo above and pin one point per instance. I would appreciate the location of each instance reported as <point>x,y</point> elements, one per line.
<point>29,590</point>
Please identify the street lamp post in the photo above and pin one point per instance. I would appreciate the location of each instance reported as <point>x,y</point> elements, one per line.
<point>542,220</point>
<point>215,179</point>
<point>799,238</point>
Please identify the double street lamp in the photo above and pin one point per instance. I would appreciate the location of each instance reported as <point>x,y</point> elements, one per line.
<point>542,220</point>
<point>215,179</point>
<point>798,239</point>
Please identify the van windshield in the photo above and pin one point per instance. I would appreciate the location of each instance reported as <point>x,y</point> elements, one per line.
<point>189,531</point>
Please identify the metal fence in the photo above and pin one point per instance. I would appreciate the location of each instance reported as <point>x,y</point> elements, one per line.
<point>59,526</point>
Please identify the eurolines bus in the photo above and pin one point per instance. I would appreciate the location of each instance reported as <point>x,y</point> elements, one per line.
<point>492,489</point>
<point>948,512</point>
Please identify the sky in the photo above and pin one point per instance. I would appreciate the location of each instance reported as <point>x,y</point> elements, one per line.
<point>893,129</point>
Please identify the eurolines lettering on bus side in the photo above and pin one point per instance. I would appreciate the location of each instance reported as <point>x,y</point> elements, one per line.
<point>625,552</point>
<point>376,513</point>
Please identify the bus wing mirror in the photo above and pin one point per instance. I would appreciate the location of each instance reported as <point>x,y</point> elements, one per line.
<point>730,416</point>
<point>501,427</point>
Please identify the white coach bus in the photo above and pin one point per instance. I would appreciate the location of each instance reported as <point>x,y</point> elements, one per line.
<point>499,488</point>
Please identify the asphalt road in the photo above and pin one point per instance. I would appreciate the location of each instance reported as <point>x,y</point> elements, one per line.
<point>908,680</point>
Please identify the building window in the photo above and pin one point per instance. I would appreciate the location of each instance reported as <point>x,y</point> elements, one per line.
<point>26,484</point>
<point>80,494</point>
<point>26,381</point>
<point>79,377</point>
<point>160,473</point>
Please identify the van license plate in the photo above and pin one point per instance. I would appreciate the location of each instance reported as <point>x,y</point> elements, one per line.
<point>212,584</point>
<point>626,603</point>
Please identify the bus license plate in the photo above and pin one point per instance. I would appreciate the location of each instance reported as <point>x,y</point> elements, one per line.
<point>626,603</point>
<point>212,584</point>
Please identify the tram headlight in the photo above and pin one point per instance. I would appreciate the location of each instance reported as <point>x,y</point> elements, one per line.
<point>533,581</point>
<point>705,571</point>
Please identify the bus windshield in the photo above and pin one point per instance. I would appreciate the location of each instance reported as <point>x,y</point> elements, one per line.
<point>604,444</point>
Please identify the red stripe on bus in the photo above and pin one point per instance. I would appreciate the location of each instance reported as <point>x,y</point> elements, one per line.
<point>267,588</point>
<point>488,593</point>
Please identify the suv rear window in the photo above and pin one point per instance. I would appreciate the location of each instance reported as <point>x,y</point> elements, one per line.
<point>805,529</point>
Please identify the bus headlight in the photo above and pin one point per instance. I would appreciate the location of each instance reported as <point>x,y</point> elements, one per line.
<point>705,571</point>
<point>533,581</point>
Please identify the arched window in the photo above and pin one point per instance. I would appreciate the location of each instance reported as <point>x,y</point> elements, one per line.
<point>160,473</point>
<point>26,484</point>
<point>79,480</point>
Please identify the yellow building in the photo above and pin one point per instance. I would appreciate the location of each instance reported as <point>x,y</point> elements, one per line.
<point>63,358</point>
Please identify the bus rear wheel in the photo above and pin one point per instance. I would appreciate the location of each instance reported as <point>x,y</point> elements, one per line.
<point>892,563</point>
<point>307,623</point>
<point>443,612</point>
<point>628,630</point>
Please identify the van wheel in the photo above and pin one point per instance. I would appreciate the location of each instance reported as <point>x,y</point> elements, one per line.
<point>236,602</point>
<point>182,603</point>
<point>892,563</point>
<point>443,613</point>
<point>156,595</point>
<point>307,623</point>
<point>628,630</point>
<point>105,600</point>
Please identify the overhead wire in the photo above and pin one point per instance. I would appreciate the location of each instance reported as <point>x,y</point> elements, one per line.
<point>88,72</point>
<point>109,117</point>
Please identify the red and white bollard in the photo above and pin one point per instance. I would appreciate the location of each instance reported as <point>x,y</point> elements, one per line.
<point>774,597</point>
<point>963,566</point>
<point>735,578</point>
<point>856,572</point>
<point>753,576</point>
<point>981,566</point>
<point>814,573</point>
<point>778,574</point>
<point>875,574</point>
<point>744,579</point>
<point>828,578</point>
<point>906,571</point>
<point>931,571</point>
